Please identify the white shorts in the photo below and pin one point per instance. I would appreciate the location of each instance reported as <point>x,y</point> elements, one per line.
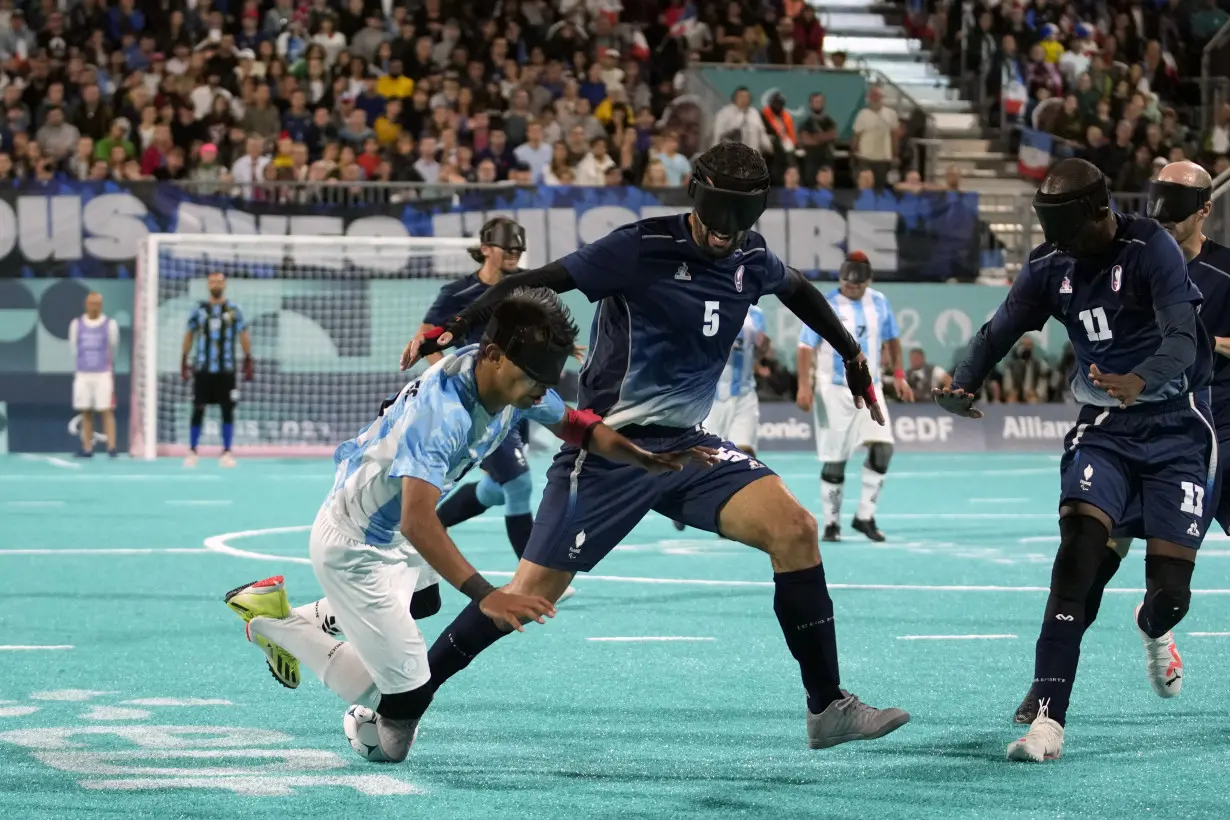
<point>841,428</point>
<point>369,589</point>
<point>736,419</point>
<point>93,391</point>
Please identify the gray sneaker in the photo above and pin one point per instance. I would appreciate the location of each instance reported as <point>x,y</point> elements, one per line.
<point>396,737</point>
<point>851,719</point>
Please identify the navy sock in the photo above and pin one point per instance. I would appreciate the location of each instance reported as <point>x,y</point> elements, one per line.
<point>1057,654</point>
<point>461,505</point>
<point>469,634</point>
<point>805,612</point>
<point>1107,570</point>
<point>519,528</point>
<point>228,436</point>
<point>194,436</point>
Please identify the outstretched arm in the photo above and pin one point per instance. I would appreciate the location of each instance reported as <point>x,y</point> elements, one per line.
<point>803,300</point>
<point>584,429</point>
<point>1020,313</point>
<point>553,275</point>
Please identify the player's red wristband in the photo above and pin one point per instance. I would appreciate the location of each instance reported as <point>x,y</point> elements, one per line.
<point>898,373</point>
<point>577,426</point>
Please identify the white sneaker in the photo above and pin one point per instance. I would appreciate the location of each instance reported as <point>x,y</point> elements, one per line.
<point>190,461</point>
<point>568,593</point>
<point>850,719</point>
<point>1043,741</point>
<point>1162,662</point>
<point>227,460</point>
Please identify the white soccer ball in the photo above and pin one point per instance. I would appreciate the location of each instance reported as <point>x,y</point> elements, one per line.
<point>359,724</point>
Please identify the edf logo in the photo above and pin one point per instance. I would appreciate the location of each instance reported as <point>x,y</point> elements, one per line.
<point>922,429</point>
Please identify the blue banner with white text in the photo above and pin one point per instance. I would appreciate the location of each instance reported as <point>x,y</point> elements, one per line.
<point>94,229</point>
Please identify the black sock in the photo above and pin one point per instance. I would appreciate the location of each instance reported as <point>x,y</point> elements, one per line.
<point>1057,654</point>
<point>469,634</point>
<point>519,527</point>
<point>805,611</point>
<point>462,505</point>
<point>1107,570</point>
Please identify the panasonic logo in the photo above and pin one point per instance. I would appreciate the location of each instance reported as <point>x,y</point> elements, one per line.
<point>789,430</point>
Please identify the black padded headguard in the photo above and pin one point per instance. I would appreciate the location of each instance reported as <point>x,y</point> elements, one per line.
<point>856,269</point>
<point>500,232</point>
<point>726,204</point>
<point>1171,202</point>
<point>535,331</point>
<point>1063,216</point>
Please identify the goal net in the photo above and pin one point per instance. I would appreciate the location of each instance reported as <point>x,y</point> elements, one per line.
<point>327,317</point>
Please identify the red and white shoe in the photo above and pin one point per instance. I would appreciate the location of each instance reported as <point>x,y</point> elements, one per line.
<point>1162,662</point>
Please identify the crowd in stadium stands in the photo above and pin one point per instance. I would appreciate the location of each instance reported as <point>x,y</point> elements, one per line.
<point>1115,87</point>
<point>225,93</point>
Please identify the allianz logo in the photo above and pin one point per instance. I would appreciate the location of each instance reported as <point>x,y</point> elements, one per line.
<point>1036,427</point>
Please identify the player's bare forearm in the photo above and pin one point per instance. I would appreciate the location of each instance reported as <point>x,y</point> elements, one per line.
<point>803,300</point>
<point>422,528</point>
<point>803,360</point>
<point>579,429</point>
<point>893,346</point>
<point>187,346</point>
<point>1221,345</point>
<point>245,341</point>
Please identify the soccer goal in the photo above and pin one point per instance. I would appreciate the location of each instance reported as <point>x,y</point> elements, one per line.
<point>328,317</point>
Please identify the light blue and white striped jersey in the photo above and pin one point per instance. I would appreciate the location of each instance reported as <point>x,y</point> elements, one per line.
<point>739,375</point>
<point>870,320</point>
<point>436,430</point>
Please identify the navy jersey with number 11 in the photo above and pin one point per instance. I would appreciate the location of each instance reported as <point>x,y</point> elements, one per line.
<point>667,319</point>
<point>1108,305</point>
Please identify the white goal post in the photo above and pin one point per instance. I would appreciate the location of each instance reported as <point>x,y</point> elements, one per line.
<point>328,317</point>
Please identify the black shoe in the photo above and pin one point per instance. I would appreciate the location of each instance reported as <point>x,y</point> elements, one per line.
<point>83,454</point>
<point>113,454</point>
<point>867,526</point>
<point>832,532</point>
<point>1027,712</point>
<point>679,525</point>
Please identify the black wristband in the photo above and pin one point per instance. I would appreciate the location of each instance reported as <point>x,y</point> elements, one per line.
<point>476,587</point>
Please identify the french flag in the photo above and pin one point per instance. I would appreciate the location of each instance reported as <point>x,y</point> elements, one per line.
<point>683,23</point>
<point>1034,158</point>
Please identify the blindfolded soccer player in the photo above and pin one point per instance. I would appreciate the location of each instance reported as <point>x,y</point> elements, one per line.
<point>377,531</point>
<point>1144,445</point>
<point>673,294</point>
<point>1180,199</point>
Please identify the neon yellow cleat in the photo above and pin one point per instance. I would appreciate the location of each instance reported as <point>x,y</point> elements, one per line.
<point>267,599</point>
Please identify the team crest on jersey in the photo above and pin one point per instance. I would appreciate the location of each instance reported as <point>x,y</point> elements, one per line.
<point>1065,286</point>
<point>682,274</point>
<point>739,279</point>
<point>1116,278</point>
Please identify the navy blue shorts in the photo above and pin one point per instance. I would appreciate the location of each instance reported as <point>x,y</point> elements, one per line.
<point>508,460</point>
<point>590,504</point>
<point>1152,468</point>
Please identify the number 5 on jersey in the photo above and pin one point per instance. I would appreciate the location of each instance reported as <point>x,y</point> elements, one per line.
<point>712,318</point>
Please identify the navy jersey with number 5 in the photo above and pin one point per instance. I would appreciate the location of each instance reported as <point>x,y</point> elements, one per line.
<point>1109,307</point>
<point>667,319</point>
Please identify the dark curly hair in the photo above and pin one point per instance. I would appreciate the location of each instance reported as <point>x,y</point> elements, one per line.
<point>539,310</point>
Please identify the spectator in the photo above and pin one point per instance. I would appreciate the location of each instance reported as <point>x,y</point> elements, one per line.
<point>261,117</point>
<point>923,377</point>
<point>1026,375</point>
<point>117,137</point>
<point>250,168</point>
<point>592,169</point>
<point>57,138</point>
<point>534,153</point>
<point>678,168</point>
<point>427,166</point>
<point>876,131</point>
<point>739,122</point>
<point>82,162</point>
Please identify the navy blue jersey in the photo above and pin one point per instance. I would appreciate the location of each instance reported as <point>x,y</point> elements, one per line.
<point>1108,306</point>
<point>667,319</point>
<point>1210,271</point>
<point>453,298</point>
<point>215,326</point>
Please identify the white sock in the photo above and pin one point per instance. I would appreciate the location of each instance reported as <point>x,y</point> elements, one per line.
<point>321,613</point>
<point>335,662</point>
<point>830,500</point>
<point>872,482</point>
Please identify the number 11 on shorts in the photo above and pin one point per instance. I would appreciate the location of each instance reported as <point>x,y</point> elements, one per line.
<point>1193,498</point>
